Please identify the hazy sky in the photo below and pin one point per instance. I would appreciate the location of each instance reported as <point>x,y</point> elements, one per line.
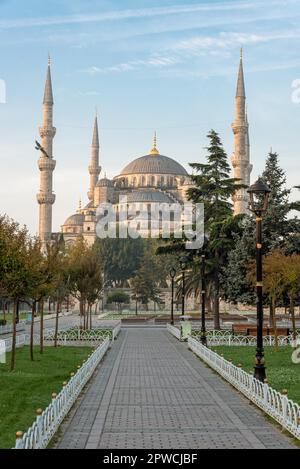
<point>168,65</point>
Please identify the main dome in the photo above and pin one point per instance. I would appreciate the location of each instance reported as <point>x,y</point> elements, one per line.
<point>154,164</point>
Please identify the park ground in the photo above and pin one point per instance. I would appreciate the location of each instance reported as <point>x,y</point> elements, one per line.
<point>282,373</point>
<point>31,385</point>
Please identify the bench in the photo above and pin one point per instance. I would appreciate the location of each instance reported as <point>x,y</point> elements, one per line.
<point>245,329</point>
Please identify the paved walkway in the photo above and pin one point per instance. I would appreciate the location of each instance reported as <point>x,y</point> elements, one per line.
<point>151,392</point>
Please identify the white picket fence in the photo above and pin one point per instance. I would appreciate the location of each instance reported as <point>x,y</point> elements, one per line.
<point>20,342</point>
<point>47,423</point>
<point>217,338</point>
<point>8,328</point>
<point>278,406</point>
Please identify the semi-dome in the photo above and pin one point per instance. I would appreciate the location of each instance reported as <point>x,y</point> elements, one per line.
<point>75,220</point>
<point>154,163</point>
<point>104,182</point>
<point>148,197</point>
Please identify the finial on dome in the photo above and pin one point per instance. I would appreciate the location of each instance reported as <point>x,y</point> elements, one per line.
<point>154,150</point>
<point>79,206</point>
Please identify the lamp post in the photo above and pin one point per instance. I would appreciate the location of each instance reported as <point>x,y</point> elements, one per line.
<point>172,275</point>
<point>203,299</point>
<point>183,264</point>
<point>259,197</point>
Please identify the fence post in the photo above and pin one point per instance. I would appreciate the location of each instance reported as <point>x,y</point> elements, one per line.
<point>39,422</point>
<point>19,440</point>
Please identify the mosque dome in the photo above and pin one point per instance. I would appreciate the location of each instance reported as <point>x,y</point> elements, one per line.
<point>104,183</point>
<point>75,220</point>
<point>154,163</point>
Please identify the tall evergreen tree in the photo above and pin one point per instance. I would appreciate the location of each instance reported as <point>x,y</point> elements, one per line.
<point>214,188</point>
<point>277,226</point>
<point>280,231</point>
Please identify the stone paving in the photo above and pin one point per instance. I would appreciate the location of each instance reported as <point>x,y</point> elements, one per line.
<point>151,392</point>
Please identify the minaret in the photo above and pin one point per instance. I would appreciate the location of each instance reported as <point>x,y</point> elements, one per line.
<point>241,156</point>
<point>94,168</point>
<point>46,163</point>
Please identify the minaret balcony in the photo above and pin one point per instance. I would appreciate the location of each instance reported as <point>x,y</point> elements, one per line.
<point>47,199</point>
<point>46,164</point>
<point>239,128</point>
<point>240,197</point>
<point>94,170</point>
<point>49,132</point>
<point>239,162</point>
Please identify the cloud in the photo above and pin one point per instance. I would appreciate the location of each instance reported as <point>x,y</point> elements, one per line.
<point>119,15</point>
<point>181,51</point>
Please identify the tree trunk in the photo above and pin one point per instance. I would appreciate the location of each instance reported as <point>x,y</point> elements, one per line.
<point>14,337</point>
<point>273,313</point>
<point>18,312</point>
<point>216,303</point>
<point>271,319</point>
<point>91,324</point>
<point>32,329</point>
<point>292,309</point>
<point>56,324</point>
<point>42,326</point>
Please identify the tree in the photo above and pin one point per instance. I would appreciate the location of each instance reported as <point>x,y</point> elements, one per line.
<point>280,232</point>
<point>118,297</point>
<point>278,227</point>
<point>234,283</point>
<point>273,285</point>
<point>214,188</point>
<point>120,258</point>
<point>145,283</point>
<point>291,280</point>
<point>85,277</point>
<point>13,269</point>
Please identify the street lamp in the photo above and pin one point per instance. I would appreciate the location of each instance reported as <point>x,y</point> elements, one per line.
<point>259,197</point>
<point>183,264</point>
<point>203,293</point>
<point>172,275</point>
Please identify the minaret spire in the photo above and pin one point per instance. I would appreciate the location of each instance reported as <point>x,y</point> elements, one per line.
<point>46,163</point>
<point>241,157</point>
<point>94,168</point>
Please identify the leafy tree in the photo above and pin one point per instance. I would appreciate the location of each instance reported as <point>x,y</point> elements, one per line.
<point>85,277</point>
<point>13,269</point>
<point>291,280</point>
<point>120,258</point>
<point>145,283</point>
<point>118,297</point>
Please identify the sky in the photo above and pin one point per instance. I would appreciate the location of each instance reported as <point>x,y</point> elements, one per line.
<point>146,65</point>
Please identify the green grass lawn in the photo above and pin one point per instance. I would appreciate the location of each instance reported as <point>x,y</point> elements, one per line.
<point>282,373</point>
<point>30,386</point>
<point>8,317</point>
